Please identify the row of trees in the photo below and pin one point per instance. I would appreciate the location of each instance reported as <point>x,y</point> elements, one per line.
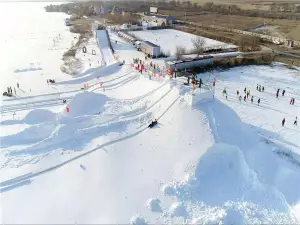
<point>198,48</point>
<point>285,7</point>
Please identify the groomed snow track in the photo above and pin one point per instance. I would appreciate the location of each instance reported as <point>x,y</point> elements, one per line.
<point>24,179</point>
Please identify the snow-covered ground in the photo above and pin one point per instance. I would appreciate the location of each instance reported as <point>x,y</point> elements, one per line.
<point>218,162</point>
<point>169,39</point>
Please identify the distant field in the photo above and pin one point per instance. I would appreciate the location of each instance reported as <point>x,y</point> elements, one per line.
<point>179,38</point>
<point>290,28</point>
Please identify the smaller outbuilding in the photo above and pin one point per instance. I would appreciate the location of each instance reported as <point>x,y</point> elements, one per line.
<point>149,49</point>
<point>158,19</point>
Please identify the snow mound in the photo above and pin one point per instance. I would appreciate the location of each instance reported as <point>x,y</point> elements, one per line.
<point>154,205</point>
<point>222,175</point>
<point>233,217</point>
<point>39,116</point>
<point>87,103</point>
<point>138,220</point>
<point>177,209</point>
<point>27,69</point>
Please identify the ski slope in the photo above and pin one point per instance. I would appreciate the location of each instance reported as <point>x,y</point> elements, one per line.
<point>218,162</point>
<point>104,44</point>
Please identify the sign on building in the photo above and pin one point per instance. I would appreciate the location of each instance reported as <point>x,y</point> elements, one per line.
<point>153,10</point>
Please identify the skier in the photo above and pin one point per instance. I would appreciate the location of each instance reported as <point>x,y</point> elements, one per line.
<point>252,99</point>
<point>296,121</point>
<point>240,98</point>
<point>152,124</point>
<point>237,92</point>
<point>200,83</point>
<point>18,85</point>
<point>263,88</point>
<point>283,122</point>
<point>224,92</point>
<point>283,92</point>
<point>245,98</point>
<point>258,101</point>
<point>256,86</point>
<point>245,90</point>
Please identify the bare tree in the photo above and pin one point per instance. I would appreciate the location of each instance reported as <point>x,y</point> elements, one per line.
<point>180,51</point>
<point>198,43</point>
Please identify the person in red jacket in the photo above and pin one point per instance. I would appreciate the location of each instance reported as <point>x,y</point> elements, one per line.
<point>283,122</point>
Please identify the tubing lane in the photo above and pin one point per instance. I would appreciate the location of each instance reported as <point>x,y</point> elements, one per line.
<point>4,185</point>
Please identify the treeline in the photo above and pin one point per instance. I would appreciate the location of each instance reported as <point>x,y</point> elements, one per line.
<point>82,8</point>
<point>227,9</point>
<point>277,11</point>
<point>285,7</point>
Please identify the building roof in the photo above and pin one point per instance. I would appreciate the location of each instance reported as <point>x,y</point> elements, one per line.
<point>150,44</point>
<point>167,17</point>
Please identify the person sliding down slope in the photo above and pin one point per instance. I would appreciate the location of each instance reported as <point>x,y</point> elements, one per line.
<point>152,124</point>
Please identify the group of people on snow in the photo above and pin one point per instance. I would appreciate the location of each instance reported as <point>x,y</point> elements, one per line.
<point>10,92</point>
<point>295,121</point>
<point>246,96</point>
<point>260,88</point>
<point>50,81</point>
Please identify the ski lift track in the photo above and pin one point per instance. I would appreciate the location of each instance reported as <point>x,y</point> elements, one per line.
<point>5,185</point>
<point>130,115</point>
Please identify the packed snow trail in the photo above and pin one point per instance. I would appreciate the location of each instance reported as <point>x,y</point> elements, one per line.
<point>59,97</point>
<point>104,44</point>
<point>5,185</point>
<point>51,135</point>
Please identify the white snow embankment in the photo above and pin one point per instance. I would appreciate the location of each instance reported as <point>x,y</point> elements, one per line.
<point>223,179</point>
<point>102,72</point>
<point>39,116</point>
<point>86,103</point>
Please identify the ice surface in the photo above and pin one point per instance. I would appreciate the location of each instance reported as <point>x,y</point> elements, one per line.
<point>179,38</point>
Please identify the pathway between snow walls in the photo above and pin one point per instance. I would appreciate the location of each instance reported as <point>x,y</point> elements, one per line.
<point>105,46</point>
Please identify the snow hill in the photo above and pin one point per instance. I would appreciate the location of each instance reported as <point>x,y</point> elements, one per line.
<point>220,161</point>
